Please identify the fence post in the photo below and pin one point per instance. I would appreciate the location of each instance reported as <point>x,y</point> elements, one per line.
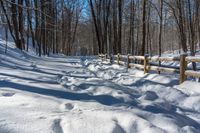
<point>111,59</point>
<point>128,61</point>
<point>100,56</point>
<point>118,58</point>
<point>183,67</point>
<point>146,62</point>
<point>159,64</point>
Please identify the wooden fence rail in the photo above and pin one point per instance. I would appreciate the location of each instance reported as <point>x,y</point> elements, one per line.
<point>145,64</point>
<point>191,73</point>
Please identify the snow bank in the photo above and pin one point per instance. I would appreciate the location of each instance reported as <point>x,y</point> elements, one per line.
<point>59,94</point>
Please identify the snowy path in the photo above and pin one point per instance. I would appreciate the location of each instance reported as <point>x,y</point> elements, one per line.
<point>73,95</point>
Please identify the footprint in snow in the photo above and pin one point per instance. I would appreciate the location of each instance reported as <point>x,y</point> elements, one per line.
<point>24,104</point>
<point>7,94</point>
<point>56,126</point>
<point>117,128</point>
<point>67,107</point>
<point>42,117</point>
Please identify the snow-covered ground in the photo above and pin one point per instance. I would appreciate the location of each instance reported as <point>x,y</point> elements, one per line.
<point>61,94</point>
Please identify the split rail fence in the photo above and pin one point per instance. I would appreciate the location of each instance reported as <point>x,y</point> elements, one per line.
<point>146,64</point>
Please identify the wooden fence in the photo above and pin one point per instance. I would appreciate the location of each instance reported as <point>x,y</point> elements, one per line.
<point>145,63</point>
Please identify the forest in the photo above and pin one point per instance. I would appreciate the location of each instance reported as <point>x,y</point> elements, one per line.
<point>99,66</point>
<point>89,27</point>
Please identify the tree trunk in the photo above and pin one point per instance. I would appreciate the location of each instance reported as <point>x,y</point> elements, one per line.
<point>143,28</point>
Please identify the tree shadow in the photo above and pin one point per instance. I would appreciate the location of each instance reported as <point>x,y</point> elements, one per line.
<point>26,68</point>
<point>145,81</point>
<point>103,99</point>
<point>142,82</point>
<point>38,80</point>
<point>182,120</point>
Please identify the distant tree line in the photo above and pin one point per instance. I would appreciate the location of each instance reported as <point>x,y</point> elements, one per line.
<point>50,24</point>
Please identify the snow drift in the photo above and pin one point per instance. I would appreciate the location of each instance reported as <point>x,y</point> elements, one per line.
<point>61,94</point>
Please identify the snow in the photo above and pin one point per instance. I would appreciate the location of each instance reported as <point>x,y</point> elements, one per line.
<point>59,94</point>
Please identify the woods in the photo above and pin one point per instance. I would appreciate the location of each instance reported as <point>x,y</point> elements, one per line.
<point>100,66</point>
<point>89,27</point>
